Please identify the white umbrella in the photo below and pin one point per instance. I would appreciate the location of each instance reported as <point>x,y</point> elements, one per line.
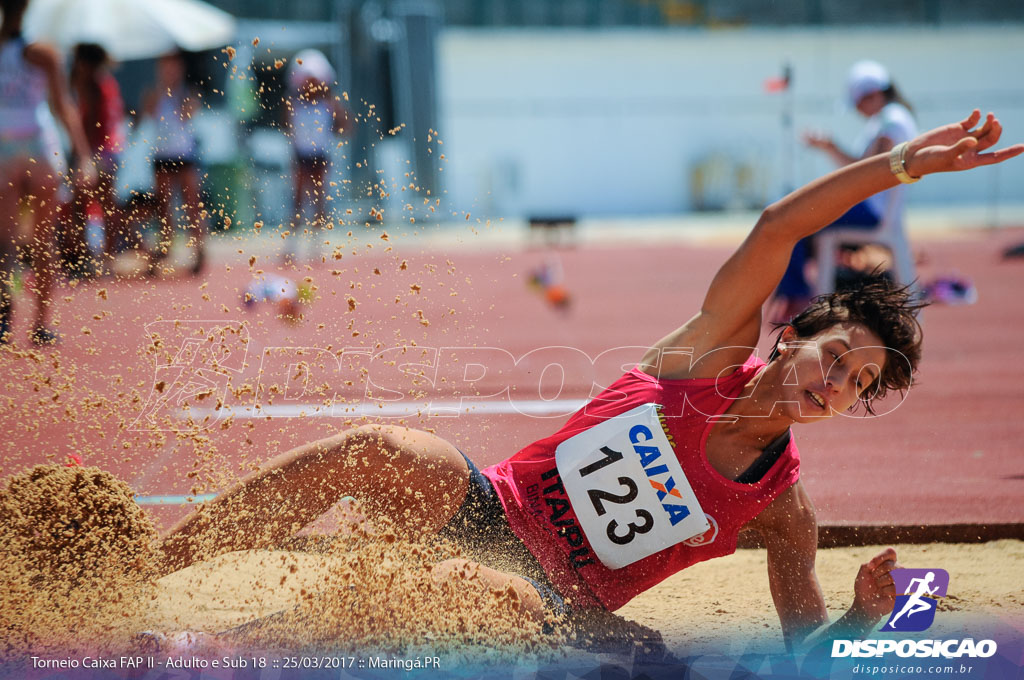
<point>130,29</point>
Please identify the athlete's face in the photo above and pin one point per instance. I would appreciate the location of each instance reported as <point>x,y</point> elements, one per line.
<point>827,373</point>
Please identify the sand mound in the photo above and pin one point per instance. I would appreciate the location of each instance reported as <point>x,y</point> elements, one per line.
<point>77,554</point>
<point>75,523</point>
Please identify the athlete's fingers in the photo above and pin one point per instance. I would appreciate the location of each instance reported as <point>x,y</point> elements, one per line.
<point>986,126</point>
<point>971,120</point>
<point>884,571</point>
<point>1001,155</point>
<point>887,554</point>
<point>884,568</point>
<point>991,133</point>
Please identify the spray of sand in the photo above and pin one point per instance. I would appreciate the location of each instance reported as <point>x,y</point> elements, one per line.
<point>378,592</point>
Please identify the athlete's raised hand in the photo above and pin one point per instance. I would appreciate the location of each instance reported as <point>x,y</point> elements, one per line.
<point>874,592</point>
<point>958,146</point>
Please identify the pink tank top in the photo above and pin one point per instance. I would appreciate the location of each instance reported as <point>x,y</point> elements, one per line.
<point>538,510</point>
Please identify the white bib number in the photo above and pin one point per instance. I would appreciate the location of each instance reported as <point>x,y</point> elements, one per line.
<point>628,491</point>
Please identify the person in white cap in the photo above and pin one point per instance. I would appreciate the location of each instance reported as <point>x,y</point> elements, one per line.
<point>315,116</point>
<point>871,91</point>
<point>890,118</point>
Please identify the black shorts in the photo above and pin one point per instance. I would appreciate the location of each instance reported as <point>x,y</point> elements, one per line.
<point>173,164</point>
<point>480,528</point>
<point>311,163</point>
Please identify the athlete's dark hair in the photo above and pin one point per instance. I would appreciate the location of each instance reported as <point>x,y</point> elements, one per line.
<point>886,309</point>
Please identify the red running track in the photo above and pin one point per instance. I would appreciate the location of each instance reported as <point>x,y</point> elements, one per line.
<point>948,454</point>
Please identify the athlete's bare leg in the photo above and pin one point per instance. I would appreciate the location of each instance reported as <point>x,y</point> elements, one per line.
<point>43,190</point>
<point>415,479</point>
<point>12,178</point>
<point>530,602</point>
<point>164,188</point>
<point>36,183</point>
<point>190,191</point>
<point>317,193</point>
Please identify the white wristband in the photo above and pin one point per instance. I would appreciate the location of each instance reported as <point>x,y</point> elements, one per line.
<point>898,164</point>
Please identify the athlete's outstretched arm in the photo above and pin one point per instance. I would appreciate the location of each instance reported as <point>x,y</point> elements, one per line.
<point>730,314</point>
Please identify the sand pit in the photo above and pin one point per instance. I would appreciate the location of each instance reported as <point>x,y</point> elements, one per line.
<point>81,559</point>
<point>82,576</point>
<point>380,597</point>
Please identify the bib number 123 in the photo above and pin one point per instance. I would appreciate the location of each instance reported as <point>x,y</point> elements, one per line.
<point>627,488</point>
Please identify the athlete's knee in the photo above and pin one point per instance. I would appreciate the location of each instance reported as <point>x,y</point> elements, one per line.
<point>455,567</point>
<point>372,445</point>
<point>369,437</point>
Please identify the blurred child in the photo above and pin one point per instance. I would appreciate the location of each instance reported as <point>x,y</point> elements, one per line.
<point>175,159</point>
<point>315,117</point>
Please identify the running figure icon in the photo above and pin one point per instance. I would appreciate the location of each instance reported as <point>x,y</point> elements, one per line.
<point>916,603</point>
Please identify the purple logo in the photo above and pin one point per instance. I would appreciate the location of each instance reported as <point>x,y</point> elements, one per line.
<point>916,593</point>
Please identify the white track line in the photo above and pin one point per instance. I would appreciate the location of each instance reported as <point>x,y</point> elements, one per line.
<point>449,408</point>
<point>175,500</point>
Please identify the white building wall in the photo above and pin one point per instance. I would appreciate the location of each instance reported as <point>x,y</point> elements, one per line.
<point>614,122</point>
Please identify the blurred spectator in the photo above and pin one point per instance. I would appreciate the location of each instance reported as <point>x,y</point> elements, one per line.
<point>889,121</point>
<point>172,104</point>
<point>314,117</point>
<point>102,111</point>
<point>30,158</point>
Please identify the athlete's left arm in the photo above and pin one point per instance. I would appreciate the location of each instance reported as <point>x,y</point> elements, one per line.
<point>790,531</point>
